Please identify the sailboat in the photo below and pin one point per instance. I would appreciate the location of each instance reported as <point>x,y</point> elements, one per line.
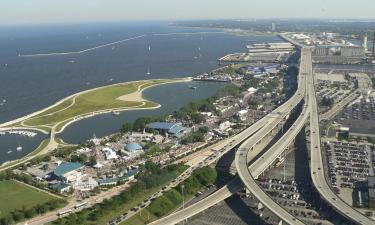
<point>19,148</point>
<point>148,71</point>
<point>149,48</point>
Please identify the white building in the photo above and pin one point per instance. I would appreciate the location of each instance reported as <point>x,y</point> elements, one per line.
<point>109,154</point>
<point>225,126</point>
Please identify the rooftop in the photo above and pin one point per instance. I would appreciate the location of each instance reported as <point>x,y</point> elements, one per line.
<point>65,168</point>
<point>132,147</point>
<point>163,125</point>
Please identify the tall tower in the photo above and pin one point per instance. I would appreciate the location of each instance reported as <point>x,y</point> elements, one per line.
<point>273,26</point>
<point>373,46</point>
<point>365,42</point>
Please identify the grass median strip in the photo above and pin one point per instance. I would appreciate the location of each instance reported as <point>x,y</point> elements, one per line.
<point>172,199</point>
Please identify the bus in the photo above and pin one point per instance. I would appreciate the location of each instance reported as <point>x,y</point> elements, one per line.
<point>80,205</point>
<point>279,161</point>
<point>64,212</point>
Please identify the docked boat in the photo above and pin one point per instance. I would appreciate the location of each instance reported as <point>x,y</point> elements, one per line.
<point>192,87</point>
<point>116,113</point>
<point>19,147</point>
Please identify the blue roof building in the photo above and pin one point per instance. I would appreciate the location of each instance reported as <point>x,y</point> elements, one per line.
<point>133,147</point>
<point>113,180</point>
<point>65,168</point>
<point>171,128</point>
<point>61,187</point>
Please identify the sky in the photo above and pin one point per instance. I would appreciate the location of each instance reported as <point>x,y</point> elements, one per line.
<point>61,11</point>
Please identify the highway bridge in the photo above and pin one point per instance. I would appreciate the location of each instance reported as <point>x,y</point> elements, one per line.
<point>273,119</point>
<point>255,134</point>
<point>267,159</point>
<point>318,174</point>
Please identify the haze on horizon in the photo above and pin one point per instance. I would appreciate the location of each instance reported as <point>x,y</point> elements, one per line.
<point>47,11</point>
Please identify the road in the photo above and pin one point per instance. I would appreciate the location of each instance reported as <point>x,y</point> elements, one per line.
<point>318,175</point>
<point>51,216</point>
<point>272,119</point>
<point>338,107</point>
<point>247,175</point>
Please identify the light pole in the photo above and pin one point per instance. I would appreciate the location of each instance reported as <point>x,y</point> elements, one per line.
<point>183,200</point>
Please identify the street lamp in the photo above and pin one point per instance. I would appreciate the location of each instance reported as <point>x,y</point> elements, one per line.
<point>183,200</point>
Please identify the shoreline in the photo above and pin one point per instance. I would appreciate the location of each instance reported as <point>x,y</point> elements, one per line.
<point>5,125</point>
<point>122,109</point>
<point>8,164</point>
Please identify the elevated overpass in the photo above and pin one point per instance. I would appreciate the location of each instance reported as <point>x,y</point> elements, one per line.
<point>318,174</point>
<point>294,42</point>
<point>273,119</point>
<point>263,163</point>
<point>256,133</point>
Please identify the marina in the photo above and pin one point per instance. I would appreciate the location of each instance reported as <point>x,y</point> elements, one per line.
<point>15,146</point>
<point>173,61</point>
<point>24,133</point>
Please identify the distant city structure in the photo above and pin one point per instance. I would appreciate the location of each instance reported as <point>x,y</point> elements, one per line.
<point>273,26</point>
<point>371,191</point>
<point>338,54</point>
<point>365,39</point>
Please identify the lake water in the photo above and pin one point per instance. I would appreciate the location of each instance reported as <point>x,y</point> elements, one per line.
<point>29,84</point>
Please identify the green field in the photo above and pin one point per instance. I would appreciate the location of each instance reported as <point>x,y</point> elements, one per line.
<point>16,196</point>
<point>96,100</point>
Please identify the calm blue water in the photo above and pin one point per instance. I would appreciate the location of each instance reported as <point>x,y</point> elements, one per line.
<point>9,143</point>
<point>171,96</point>
<point>30,84</point>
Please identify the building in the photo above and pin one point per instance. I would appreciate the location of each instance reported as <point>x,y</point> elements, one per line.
<point>273,26</point>
<point>225,126</point>
<point>133,147</point>
<point>364,45</point>
<point>68,172</point>
<point>109,154</point>
<point>122,178</point>
<point>61,187</point>
<point>175,129</point>
<point>338,54</point>
<point>85,184</point>
<point>371,191</point>
<point>242,114</point>
<point>252,90</point>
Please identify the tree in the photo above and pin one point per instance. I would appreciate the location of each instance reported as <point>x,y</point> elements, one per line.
<point>92,161</point>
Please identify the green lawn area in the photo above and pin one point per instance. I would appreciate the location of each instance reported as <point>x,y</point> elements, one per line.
<point>16,196</point>
<point>99,99</point>
<point>172,199</point>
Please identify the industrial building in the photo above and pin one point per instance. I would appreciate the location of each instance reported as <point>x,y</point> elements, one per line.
<point>67,172</point>
<point>175,129</point>
<point>338,54</point>
<point>371,191</point>
<point>285,47</point>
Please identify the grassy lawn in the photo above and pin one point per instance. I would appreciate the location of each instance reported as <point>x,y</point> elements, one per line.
<point>15,196</point>
<point>172,199</point>
<point>124,208</point>
<point>100,99</point>
<point>147,105</point>
<point>146,216</point>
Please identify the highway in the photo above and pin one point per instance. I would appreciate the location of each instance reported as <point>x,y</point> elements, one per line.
<point>318,175</point>
<point>272,119</point>
<point>247,175</point>
<point>339,106</point>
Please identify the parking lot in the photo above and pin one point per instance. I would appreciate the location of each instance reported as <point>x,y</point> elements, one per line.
<point>348,163</point>
<point>362,110</point>
<point>288,194</point>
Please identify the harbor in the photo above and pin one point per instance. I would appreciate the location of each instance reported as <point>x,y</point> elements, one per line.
<point>23,133</point>
<point>17,144</point>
